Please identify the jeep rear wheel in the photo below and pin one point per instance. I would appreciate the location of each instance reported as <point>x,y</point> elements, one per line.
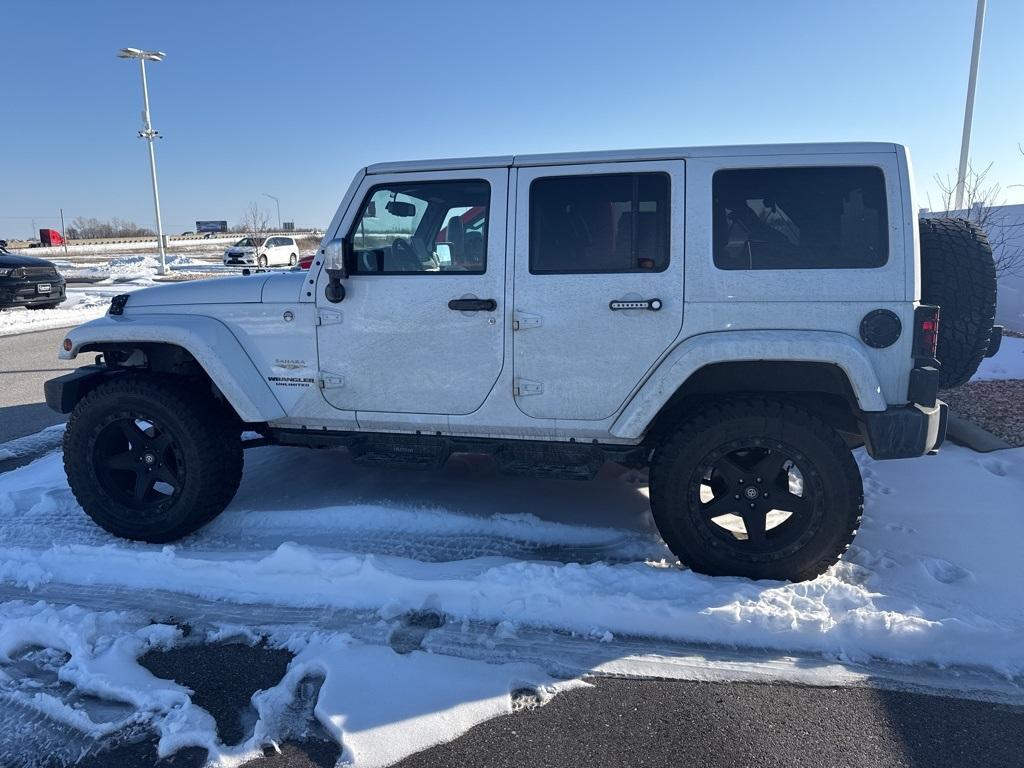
<point>150,459</point>
<point>760,489</point>
<point>959,275</point>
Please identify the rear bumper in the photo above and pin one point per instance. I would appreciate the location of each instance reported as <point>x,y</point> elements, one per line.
<point>905,431</point>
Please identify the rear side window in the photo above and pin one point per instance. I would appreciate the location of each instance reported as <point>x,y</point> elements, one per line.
<point>800,218</point>
<point>603,223</point>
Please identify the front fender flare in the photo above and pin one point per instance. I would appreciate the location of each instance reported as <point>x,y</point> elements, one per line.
<point>207,339</point>
<point>736,346</point>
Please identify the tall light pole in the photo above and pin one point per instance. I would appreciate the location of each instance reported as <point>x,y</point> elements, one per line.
<point>965,142</point>
<point>149,135</point>
<point>278,202</point>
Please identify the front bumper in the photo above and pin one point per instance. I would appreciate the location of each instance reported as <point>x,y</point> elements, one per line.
<point>25,293</point>
<point>240,260</point>
<point>64,392</point>
<point>904,431</point>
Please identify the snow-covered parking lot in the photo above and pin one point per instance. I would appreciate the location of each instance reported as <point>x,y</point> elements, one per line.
<point>527,584</point>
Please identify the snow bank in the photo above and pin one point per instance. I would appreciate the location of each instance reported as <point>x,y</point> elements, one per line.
<point>77,308</point>
<point>1007,364</point>
<point>933,578</point>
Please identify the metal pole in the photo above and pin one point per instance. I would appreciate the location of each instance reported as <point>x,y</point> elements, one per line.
<point>278,204</point>
<point>149,134</point>
<point>965,143</point>
<point>63,233</point>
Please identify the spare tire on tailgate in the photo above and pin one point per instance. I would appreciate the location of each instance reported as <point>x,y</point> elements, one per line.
<point>959,275</point>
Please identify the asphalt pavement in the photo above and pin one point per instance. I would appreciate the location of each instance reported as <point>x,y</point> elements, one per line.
<point>26,361</point>
<point>733,725</point>
<point>623,722</point>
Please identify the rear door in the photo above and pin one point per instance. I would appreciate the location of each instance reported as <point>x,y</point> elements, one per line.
<point>421,326</point>
<point>598,283</point>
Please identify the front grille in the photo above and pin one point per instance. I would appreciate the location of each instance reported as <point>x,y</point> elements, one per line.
<point>40,272</point>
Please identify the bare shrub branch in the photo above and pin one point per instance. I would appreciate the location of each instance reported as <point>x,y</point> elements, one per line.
<point>983,205</point>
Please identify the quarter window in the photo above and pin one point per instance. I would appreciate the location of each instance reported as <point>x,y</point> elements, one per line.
<point>435,226</point>
<point>602,223</point>
<point>800,218</point>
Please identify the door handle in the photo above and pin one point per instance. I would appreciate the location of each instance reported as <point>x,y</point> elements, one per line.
<point>652,304</point>
<point>473,305</point>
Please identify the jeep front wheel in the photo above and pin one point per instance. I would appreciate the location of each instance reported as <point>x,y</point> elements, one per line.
<point>759,489</point>
<point>150,459</point>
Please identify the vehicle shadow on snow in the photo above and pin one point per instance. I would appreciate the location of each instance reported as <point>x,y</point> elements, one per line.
<point>323,500</point>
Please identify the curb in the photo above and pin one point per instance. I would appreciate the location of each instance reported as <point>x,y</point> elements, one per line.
<point>970,435</point>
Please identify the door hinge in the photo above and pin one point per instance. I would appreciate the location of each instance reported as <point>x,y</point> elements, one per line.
<point>327,317</point>
<point>330,380</point>
<point>524,387</point>
<point>521,321</point>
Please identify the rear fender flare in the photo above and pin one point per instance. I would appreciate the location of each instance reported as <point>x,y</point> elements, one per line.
<point>207,339</point>
<point>734,346</point>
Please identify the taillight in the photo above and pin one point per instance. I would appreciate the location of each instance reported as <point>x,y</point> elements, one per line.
<point>926,332</point>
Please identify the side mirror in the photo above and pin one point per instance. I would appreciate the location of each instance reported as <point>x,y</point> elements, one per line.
<point>335,255</point>
<point>444,253</point>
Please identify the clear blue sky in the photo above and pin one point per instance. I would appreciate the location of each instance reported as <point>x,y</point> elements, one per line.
<point>291,98</point>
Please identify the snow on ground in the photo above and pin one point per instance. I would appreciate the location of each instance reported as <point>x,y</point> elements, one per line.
<point>933,578</point>
<point>92,283</point>
<point>430,698</point>
<point>1008,362</point>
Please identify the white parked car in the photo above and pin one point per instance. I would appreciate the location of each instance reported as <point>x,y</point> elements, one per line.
<point>276,250</point>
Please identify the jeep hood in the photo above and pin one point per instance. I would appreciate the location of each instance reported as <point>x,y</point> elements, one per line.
<point>246,289</point>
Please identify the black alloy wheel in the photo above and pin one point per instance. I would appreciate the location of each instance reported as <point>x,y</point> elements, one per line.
<point>756,488</point>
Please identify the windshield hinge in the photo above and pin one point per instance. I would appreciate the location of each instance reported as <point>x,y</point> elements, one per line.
<point>330,380</point>
<point>521,321</point>
<point>327,317</point>
<point>524,387</point>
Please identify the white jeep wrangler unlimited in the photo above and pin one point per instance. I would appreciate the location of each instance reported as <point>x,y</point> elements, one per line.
<point>737,319</point>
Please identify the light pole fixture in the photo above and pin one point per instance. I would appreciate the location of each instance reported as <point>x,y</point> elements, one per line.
<point>278,203</point>
<point>972,80</point>
<point>149,135</point>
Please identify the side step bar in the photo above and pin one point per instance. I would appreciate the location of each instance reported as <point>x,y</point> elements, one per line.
<point>566,460</point>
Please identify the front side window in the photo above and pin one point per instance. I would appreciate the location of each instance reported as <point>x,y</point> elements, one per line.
<point>435,226</point>
<point>800,218</point>
<point>603,223</point>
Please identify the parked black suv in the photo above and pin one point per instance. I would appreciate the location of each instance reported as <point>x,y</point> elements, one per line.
<point>26,281</point>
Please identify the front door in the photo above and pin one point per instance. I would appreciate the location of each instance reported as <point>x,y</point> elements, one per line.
<point>420,328</point>
<point>598,283</point>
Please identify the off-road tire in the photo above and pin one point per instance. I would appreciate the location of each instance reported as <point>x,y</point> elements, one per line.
<point>959,275</point>
<point>210,447</point>
<point>824,458</point>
